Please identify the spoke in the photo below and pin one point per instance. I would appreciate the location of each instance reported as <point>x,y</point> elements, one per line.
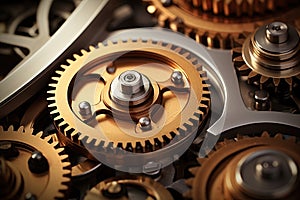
<point>18,40</point>
<point>42,17</point>
<point>168,85</point>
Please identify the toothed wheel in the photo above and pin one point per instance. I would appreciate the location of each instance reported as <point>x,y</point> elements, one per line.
<point>31,167</point>
<point>218,23</point>
<point>270,57</point>
<point>249,168</point>
<point>136,95</point>
<point>128,187</point>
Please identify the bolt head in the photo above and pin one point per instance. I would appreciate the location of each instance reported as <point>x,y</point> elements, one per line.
<point>277,32</point>
<point>145,123</point>
<point>37,163</point>
<point>85,108</point>
<point>166,3</point>
<point>177,77</point>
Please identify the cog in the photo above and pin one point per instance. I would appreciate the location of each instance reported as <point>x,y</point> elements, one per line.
<point>128,187</point>
<point>136,95</point>
<point>271,164</point>
<point>267,62</point>
<point>227,21</point>
<point>33,167</point>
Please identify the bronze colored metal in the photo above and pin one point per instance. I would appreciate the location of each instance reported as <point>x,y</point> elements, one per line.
<point>218,176</point>
<point>266,60</point>
<point>218,24</point>
<point>51,184</point>
<point>87,82</point>
<point>116,188</point>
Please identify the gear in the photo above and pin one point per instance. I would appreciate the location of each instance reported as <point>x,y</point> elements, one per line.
<point>248,168</point>
<point>238,7</point>
<point>33,167</point>
<point>269,57</point>
<point>215,30</point>
<point>129,187</point>
<point>136,95</point>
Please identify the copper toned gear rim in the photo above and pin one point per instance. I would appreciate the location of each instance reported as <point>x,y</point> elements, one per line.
<point>210,30</point>
<point>151,187</point>
<point>238,8</point>
<point>78,131</point>
<point>259,74</point>
<point>59,166</point>
<point>225,152</point>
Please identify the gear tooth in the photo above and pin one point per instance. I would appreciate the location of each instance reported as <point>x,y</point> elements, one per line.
<point>276,81</point>
<point>240,137</point>
<point>61,123</point>
<point>169,46</point>
<point>227,141</point>
<point>252,74</point>
<point>263,79</point>
<point>55,78</point>
<point>265,134</point>
<point>59,149</point>
<point>64,66</point>
<point>109,42</point>
<point>83,52</point>
<point>66,164</point>
<point>289,81</point>
<point>189,181</point>
<point>149,41</point>
<point>50,99</point>
<point>278,136</point>
<point>100,45</point>
<point>70,61</point>
<point>54,85</point>
<point>40,134</point>
<point>244,67</point>
<point>53,112</point>
<point>64,157</point>
<point>11,129</point>
<point>201,160</point>
<point>178,49</point>
<point>76,56</point>
<point>186,54</point>
<point>91,48</point>
<point>193,170</point>
<point>51,92</point>
<point>1,129</point>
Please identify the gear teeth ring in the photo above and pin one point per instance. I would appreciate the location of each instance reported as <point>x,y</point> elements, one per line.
<point>218,24</point>
<point>35,180</point>
<point>80,132</point>
<point>208,181</point>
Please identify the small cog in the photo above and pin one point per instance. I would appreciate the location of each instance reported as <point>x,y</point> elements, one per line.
<point>32,167</point>
<point>218,24</point>
<point>248,168</point>
<point>136,95</point>
<point>128,187</point>
<point>269,57</point>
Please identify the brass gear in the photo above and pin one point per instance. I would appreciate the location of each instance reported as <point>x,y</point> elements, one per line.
<point>270,65</point>
<point>221,175</point>
<point>119,187</point>
<point>215,30</point>
<point>33,167</point>
<point>101,106</point>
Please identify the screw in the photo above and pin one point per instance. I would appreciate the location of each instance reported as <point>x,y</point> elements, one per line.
<point>8,150</point>
<point>177,77</point>
<point>261,98</point>
<point>166,3</point>
<point>85,108</point>
<point>145,123</point>
<point>277,32</point>
<point>131,82</point>
<point>114,190</point>
<point>38,163</point>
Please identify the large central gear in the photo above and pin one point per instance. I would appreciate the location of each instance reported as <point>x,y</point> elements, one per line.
<point>248,168</point>
<point>218,24</point>
<point>136,95</point>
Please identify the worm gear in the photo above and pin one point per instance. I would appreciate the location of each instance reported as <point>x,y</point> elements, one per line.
<point>129,187</point>
<point>136,95</point>
<point>32,167</point>
<point>218,23</point>
<point>270,57</point>
<point>248,168</point>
